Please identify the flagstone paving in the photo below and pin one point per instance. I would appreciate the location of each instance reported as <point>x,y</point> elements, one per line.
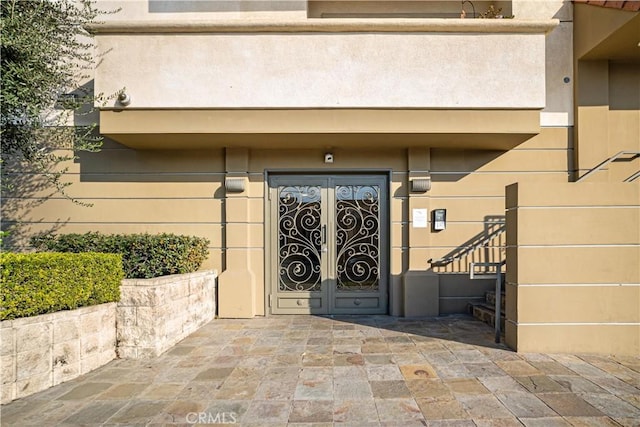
<point>347,371</point>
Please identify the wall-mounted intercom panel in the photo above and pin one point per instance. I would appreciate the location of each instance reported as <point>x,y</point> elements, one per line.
<point>438,219</point>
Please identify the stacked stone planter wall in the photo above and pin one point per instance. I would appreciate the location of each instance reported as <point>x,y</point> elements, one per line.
<point>42,351</point>
<point>153,314</point>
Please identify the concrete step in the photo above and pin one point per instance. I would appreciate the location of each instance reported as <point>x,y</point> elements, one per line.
<point>486,313</point>
<point>490,298</point>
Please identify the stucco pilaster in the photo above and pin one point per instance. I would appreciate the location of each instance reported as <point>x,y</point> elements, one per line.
<point>236,286</point>
<point>419,282</point>
<point>419,165</point>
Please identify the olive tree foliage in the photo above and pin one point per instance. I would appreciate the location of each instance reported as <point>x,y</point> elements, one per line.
<point>46,55</point>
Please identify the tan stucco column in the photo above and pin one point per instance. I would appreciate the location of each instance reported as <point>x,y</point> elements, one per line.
<point>236,284</point>
<point>421,285</point>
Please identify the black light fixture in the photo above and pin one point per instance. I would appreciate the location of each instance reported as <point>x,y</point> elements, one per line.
<point>124,99</point>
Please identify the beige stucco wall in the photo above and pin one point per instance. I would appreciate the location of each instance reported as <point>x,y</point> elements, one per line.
<point>301,9</point>
<point>189,10</point>
<point>410,8</point>
<point>328,70</point>
<point>484,50</point>
<point>607,98</point>
<point>130,192</point>
<point>573,277</point>
<point>470,185</point>
<point>478,83</point>
<point>181,191</point>
<point>608,117</point>
<point>559,74</point>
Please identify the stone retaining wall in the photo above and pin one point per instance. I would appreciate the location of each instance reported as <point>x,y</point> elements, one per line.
<point>42,351</point>
<point>154,314</point>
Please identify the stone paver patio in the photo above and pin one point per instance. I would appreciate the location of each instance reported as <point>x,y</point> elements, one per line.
<point>358,371</point>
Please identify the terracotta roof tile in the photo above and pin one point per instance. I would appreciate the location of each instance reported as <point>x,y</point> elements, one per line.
<point>630,5</point>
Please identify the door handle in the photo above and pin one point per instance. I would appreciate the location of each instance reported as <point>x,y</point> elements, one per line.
<point>324,238</point>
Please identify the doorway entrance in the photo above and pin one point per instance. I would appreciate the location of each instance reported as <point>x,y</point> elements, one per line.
<point>329,244</point>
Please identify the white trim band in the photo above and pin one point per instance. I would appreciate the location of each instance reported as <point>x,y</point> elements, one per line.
<point>326,25</point>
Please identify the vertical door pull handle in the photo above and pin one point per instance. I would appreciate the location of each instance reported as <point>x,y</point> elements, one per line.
<point>324,234</point>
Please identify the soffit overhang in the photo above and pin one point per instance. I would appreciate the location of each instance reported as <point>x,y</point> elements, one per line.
<point>494,123</point>
<point>320,128</point>
<point>603,33</point>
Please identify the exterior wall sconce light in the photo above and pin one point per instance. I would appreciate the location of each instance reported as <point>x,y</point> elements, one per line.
<point>328,158</point>
<point>234,185</point>
<point>420,185</point>
<point>124,99</point>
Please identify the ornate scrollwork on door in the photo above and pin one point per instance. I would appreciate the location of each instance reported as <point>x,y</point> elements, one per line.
<point>300,242</point>
<point>358,237</point>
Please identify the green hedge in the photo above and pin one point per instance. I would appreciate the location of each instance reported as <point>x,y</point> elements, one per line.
<point>143,255</point>
<point>40,283</point>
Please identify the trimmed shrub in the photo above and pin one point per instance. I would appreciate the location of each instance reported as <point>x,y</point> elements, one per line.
<point>40,283</point>
<point>144,256</point>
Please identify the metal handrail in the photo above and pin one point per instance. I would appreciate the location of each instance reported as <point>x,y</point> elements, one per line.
<point>612,159</point>
<point>481,243</point>
<point>498,277</point>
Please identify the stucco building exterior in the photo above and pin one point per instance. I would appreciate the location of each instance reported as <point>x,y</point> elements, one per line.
<point>314,143</point>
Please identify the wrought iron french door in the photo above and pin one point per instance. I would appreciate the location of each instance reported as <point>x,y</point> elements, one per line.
<point>329,240</point>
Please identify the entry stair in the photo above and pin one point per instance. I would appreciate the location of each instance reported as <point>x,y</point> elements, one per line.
<point>485,270</point>
<point>485,311</point>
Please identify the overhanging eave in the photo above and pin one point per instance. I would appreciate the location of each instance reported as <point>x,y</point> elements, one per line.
<point>309,128</point>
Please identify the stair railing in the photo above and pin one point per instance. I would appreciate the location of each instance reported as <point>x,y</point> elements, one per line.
<point>488,266</point>
<point>618,155</point>
<point>477,243</point>
<point>486,274</point>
